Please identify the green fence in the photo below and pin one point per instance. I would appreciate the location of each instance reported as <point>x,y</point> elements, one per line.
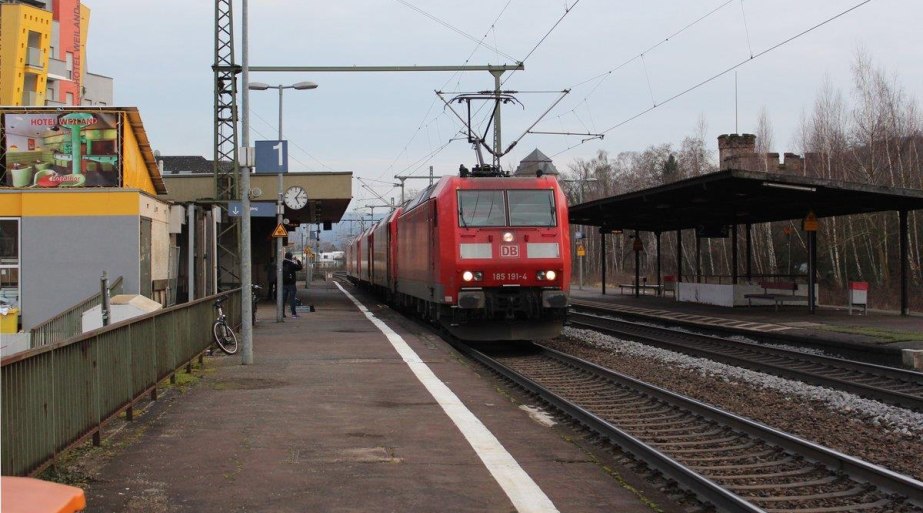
<point>58,395</point>
<point>69,322</point>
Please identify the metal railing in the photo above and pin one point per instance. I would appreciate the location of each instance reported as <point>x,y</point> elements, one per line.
<point>56,396</point>
<point>69,323</point>
<point>34,57</point>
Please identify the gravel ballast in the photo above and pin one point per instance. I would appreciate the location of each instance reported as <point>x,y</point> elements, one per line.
<point>876,432</point>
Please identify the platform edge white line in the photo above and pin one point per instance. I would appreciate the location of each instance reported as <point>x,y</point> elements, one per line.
<point>519,487</point>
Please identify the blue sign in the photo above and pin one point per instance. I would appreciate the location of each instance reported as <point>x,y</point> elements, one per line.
<point>257,209</point>
<point>271,157</point>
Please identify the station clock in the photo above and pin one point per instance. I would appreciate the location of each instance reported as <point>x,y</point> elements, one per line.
<point>296,198</point>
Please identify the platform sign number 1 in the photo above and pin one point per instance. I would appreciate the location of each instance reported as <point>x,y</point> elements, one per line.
<point>278,148</point>
<point>271,157</point>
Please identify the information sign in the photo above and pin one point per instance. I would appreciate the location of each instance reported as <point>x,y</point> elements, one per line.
<point>271,157</point>
<point>257,209</point>
<point>809,224</point>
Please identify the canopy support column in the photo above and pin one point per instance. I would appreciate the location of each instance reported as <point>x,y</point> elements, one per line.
<point>637,265</point>
<point>905,278</point>
<point>679,256</point>
<point>734,253</point>
<point>659,279</point>
<point>698,259</point>
<point>749,252</point>
<point>812,270</point>
<point>602,257</point>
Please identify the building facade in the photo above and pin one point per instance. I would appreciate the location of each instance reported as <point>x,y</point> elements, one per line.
<point>43,55</point>
<point>80,194</point>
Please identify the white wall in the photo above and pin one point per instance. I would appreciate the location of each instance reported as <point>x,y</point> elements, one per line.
<point>159,214</point>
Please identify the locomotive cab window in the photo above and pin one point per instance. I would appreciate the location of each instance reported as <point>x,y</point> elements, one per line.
<point>481,208</point>
<point>486,208</point>
<point>531,208</point>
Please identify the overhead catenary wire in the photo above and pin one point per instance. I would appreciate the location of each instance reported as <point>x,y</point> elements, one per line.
<point>567,10</point>
<point>457,30</point>
<point>647,76</point>
<point>491,29</point>
<point>722,73</point>
<point>435,100</point>
<point>602,77</point>
<point>743,13</point>
<point>267,123</point>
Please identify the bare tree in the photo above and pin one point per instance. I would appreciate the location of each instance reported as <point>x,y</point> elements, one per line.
<point>874,136</point>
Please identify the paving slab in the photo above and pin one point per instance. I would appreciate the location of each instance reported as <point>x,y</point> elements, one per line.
<point>835,325</point>
<point>330,418</point>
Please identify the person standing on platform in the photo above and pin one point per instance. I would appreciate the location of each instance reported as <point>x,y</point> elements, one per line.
<point>271,280</point>
<point>289,267</point>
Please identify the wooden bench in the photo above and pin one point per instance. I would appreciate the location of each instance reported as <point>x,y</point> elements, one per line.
<point>778,298</point>
<point>642,286</point>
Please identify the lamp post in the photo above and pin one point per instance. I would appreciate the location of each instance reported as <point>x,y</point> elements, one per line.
<point>280,208</point>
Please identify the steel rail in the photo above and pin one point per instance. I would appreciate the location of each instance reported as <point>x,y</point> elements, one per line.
<point>687,478</point>
<point>886,480</point>
<point>864,352</point>
<point>751,355</point>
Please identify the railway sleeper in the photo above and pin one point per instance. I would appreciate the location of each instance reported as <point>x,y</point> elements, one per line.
<point>774,486</point>
<point>762,464</point>
<point>699,441</point>
<point>851,492</point>
<point>711,448</point>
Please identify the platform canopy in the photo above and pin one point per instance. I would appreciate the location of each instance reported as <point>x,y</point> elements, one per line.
<point>739,197</point>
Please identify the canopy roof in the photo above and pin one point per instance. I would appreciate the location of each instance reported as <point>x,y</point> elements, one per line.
<point>739,197</point>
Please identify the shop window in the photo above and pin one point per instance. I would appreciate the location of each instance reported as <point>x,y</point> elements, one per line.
<point>9,262</point>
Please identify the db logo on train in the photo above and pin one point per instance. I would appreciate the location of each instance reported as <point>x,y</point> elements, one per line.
<point>509,251</point>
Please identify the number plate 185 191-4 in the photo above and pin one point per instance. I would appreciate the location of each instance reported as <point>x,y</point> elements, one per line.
<point>509,276</point>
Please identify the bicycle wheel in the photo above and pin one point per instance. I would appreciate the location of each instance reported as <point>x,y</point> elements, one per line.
<point>225,337</point>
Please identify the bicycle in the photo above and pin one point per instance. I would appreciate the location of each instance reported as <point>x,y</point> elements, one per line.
<point>224,335</point>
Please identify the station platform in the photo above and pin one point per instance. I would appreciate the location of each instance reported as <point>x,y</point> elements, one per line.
<point>336,415</point>
<point>874,331</point>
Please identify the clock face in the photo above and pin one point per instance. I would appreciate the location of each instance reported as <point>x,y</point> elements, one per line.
<point>296,198</point>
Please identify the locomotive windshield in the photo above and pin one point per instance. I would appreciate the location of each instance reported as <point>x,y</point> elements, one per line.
<point>531,208</point>
<point>480,208</point>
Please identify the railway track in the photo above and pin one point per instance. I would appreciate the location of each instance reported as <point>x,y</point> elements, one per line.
<point>730,462</point>
<point>886,384</point>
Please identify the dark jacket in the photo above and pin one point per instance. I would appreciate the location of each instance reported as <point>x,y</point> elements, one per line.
<point>289,267</point>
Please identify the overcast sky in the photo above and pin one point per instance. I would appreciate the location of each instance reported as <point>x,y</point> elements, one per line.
<point>384,124</point>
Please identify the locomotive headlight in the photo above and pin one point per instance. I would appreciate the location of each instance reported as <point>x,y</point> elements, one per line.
<point>508,237</point>
<point>546,275</point>
<point>472,276</point>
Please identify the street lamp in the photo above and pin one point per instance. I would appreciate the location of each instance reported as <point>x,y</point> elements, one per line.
<point>280,209</point>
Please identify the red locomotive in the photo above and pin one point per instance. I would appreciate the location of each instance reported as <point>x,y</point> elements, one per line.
<point>488,258</point>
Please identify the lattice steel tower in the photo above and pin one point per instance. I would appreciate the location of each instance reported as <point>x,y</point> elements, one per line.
<point>225,166</point>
